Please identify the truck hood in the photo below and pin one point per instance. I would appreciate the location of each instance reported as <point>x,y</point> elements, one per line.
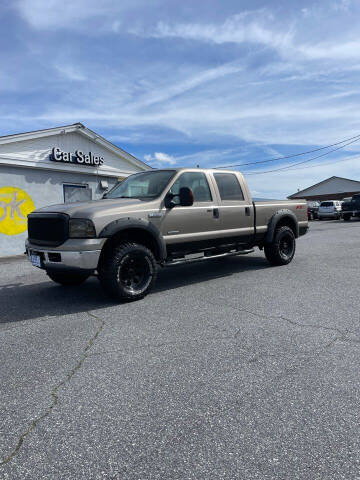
<point>91,209</point>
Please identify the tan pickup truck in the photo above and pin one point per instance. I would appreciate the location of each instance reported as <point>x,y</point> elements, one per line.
<point>159,218</point>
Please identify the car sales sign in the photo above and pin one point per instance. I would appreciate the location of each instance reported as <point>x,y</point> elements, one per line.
<point>88,159</point>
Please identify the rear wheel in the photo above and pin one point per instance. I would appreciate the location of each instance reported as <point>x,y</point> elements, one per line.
<point>68,278</point>
<point>282,249</point>
<point>128,272</point>
<point>346,217</point>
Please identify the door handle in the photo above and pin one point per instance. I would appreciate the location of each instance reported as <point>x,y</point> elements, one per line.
<point>247,211</point>
<point>215,212</point>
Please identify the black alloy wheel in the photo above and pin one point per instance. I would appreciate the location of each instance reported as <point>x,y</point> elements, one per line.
<point>128,271</point>
<point>135,272</point>
<point>282,249</point>
<point>286,246</point>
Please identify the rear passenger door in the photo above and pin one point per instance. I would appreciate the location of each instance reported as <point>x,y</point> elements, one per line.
<point>236,213</point>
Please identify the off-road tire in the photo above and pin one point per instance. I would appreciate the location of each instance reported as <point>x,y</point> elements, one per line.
<point>68,278</point>
<point>128,272</point>
<point>347,218</point>
<point>282,249</point>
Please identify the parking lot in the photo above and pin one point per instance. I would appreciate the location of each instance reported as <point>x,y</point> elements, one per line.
<point>229,369</point>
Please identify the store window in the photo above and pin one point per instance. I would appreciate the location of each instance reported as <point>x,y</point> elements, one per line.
<point>76,193</point>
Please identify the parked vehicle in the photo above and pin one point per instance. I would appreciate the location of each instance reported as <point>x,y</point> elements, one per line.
<point>312,209</point>
<point>329,209</point>
<point>351,207</point>
<point>160,217</point>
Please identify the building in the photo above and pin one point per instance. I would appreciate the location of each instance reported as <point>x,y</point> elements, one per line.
<point>333,188</point>
<point>56,165</point>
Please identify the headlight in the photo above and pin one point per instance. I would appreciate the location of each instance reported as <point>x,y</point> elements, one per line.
<point>81,228</point>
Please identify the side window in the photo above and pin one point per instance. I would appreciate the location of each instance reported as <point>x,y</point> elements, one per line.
<point>228,186</point>
<point>198,183</point>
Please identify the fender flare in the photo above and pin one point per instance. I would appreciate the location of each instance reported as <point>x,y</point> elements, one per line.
<point>280,215</point>
<point>117,226</point>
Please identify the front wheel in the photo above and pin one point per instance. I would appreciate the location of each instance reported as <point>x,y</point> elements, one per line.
<point>282,249</point>
<point>346,218</point>
<point>128,272</point>
<point>67,278</point>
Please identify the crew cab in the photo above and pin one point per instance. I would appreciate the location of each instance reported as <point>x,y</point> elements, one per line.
<point>160,218</point>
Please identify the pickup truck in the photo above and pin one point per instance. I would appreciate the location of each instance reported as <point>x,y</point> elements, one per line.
<point>160,218</point>
<point>351,207</point>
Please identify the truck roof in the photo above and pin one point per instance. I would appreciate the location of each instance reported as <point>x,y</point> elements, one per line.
<point>195,169</point>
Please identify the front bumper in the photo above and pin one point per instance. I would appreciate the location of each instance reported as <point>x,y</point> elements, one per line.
<point>57,259</point>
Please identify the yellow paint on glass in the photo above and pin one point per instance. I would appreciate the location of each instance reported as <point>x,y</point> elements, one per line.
<point>15,206</point>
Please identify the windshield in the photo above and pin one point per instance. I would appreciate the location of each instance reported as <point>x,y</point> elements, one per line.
<point>145,185</point>
<point>327,204</point>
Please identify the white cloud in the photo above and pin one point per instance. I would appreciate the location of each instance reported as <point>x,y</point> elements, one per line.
<point>250,26</point>
<point>167,91</point>
<point>160,158</point>
<point>75,14</point>
<point>70,72</point>
<point>221,86</point>
<point>261,27</point>
<point>284,183</point>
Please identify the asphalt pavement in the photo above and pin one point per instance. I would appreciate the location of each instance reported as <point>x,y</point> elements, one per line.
<point>229,369</point>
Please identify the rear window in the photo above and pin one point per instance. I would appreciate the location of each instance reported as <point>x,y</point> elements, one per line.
<point>327,204</point>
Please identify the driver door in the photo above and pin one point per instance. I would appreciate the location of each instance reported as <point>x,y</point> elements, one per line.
<point>195,223</point>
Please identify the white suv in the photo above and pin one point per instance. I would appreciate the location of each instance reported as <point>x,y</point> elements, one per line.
<point>329,209</point>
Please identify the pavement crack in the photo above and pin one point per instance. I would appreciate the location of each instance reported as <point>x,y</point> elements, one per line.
<point>54,391</point>
<point>285,319</point>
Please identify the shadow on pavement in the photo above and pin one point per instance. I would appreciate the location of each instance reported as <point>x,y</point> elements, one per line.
<point>20,302</point>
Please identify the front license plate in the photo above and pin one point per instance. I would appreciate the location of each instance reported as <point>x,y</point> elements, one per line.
<point>35,260</point>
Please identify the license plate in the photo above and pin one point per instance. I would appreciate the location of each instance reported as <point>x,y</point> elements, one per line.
<point>35,260</point>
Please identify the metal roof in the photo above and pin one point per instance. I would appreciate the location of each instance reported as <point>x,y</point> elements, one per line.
<point>330,186</point>
<point>79,127</point>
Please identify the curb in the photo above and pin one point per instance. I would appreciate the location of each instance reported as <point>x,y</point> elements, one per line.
<point>12,258</point>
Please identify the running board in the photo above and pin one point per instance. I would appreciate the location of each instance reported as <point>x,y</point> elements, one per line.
<point>182,261</point>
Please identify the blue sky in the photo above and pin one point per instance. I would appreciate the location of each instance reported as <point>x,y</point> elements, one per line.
<point>207,82</point>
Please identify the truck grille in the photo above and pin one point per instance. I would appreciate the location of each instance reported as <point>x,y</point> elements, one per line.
<point>50,229</point>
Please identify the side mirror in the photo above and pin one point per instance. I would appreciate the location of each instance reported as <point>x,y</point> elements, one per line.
<point>186,197</point>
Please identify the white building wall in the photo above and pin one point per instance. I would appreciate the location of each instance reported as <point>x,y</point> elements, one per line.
<point>39,149</point>
<point>44,188</point>
<point>29,179</point>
